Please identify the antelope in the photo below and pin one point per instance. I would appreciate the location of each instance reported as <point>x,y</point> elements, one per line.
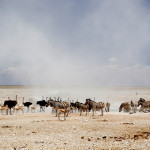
<point>17,108</point>
<point>32,108</point>
<point>60,111</point>
<point>4,108</point>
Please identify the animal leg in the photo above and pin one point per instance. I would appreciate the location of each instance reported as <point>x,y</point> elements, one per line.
<point>56,113</point>
<point>10,112</point>
<point>14,110</point>
<point>64,115</point>
<point>27,109</point>
<point>93,112</point>
<point>80,112</point>
<point>43,109</point>
<point>67,114</point>
<point>6,111</point>
<point>1,111</point>
<point>101,112</point>
<point>86,113</point>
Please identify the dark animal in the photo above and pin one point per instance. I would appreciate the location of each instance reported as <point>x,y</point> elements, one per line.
<point>42,104</point>
<point>141,101</point>
<point>107,108</point>
<point>145,105</point>
<point>125,106</point>
<point>73,107</point>
<point>27,104</point>
<point>58,105</point>
<point>134,106</point>
<point>95,106</point>
<point>50,103</point>
<point>10,104</point>
<point>82,107</point>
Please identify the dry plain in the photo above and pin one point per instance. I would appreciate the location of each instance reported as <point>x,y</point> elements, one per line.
<point>43,131</point>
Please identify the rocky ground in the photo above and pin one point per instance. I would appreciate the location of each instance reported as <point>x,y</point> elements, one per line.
<point>43,131</point>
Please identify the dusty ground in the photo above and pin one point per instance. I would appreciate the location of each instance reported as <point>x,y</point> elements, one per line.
<point>43,131</point>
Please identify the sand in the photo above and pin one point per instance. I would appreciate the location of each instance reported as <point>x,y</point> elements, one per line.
<point>43,131</point>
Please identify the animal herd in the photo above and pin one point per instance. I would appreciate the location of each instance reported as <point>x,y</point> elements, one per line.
<point>132,106</point>
<point>65,107</point>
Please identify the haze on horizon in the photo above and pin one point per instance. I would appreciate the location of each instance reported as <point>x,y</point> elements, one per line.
<point>94,43</point>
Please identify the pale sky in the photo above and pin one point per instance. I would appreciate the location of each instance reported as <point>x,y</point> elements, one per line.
<point>75,42</point>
